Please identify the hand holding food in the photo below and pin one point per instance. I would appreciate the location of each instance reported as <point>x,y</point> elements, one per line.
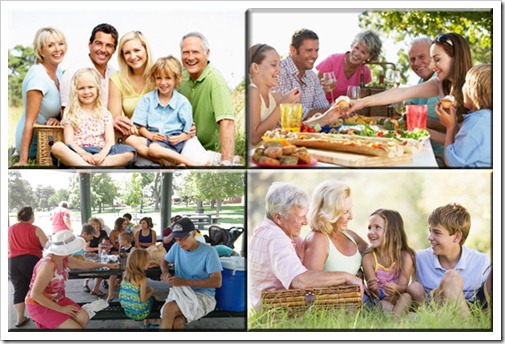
<point>447,102</point>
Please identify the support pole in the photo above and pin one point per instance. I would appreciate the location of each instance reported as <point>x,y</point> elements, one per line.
<point>85,193</point>
<point>166,198</point>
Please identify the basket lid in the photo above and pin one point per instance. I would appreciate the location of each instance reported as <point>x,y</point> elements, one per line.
<point>233,263</point>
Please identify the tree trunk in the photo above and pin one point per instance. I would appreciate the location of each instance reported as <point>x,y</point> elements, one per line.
<point>219,204</point>
<point>199,207</point>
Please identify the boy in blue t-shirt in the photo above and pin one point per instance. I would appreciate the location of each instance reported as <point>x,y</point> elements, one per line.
<point>470,146</point>
<point>448,270</point>
<point>197,275</point>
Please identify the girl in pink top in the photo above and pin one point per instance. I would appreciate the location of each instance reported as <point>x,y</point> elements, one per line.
<point>88,128</point>
<point>389,262</point>
<point>349,66</point>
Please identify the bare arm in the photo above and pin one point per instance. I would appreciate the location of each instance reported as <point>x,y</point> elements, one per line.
<point>320,279</point>
<point>68,136</point>
<point>144,294</point>
<point>137,243</point>
<point>121,123</point>
<point>113,236</point>
<point>109,142</point>
<point>42,236</point>
<point>370,276</point>
<point>426,89</point>
<point>227,137</point>
<point>214,281</point>
<point>33,101</point>
<point>316,251</point>
<point>87,264</point>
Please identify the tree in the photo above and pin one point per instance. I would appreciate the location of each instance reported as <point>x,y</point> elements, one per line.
<point>404,26</point>
<point>103,190</point>
<point>213,185</point>
<point>57,197</point>
<point>20,192</point>
<point>42,195</point>
<point>20,59</point>
<point>133,190</point>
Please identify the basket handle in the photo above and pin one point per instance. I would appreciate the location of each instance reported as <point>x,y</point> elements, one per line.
<point>309,298</point>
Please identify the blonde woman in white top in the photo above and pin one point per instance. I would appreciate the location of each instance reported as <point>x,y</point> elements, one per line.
<point>264,111</point>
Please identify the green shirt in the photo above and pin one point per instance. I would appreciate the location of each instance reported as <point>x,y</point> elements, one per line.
<point>211,100</point>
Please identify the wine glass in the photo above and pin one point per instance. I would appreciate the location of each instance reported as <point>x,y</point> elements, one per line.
<point>396,77</point>
<point>353,92</point>
<point>330,81</point>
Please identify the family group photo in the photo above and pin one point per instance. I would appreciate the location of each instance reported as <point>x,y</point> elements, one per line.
<point>118,94</point>
<point>380,250</point>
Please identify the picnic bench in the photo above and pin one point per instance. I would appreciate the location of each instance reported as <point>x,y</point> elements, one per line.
<point>202,220</point>
<point>116,312</point>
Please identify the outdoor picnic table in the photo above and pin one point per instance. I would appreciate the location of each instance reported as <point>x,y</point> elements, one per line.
<point>201,220</point>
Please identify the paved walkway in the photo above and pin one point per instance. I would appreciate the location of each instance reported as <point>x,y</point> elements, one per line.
<point>75,292</point>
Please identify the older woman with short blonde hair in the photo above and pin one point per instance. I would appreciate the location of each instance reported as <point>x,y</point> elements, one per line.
<point>41,90</point>
<point>331,246</point>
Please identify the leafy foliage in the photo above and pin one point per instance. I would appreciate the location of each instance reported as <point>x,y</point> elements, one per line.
<point>20,59</point>
<point>404,26</point>
<point>20,191</point>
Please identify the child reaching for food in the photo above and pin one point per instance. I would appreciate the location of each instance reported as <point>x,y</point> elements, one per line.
<point>389,262</point>
<point>88,130</point>
<point>135,296</point>
<point>471,145</point>
<point>165,116</point>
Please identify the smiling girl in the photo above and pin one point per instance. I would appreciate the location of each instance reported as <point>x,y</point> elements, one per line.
<point>264,104</point>
<point>88,131</point>
<point>389,262</point>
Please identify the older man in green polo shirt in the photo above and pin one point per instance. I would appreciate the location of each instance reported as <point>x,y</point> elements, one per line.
<point>210,97</point>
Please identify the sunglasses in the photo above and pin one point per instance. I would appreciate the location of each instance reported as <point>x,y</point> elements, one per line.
<point>444,39</point>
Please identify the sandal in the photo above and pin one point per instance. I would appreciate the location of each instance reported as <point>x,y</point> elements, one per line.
<point>86,289</point>
<point>25,320</point>
<point>97,293</point>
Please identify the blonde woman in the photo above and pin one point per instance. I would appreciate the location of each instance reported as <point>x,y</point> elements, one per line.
<point>41,90</point>
<point>331,246</point>
<point>88,131</point>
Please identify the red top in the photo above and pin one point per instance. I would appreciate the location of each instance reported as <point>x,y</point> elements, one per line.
<point>23,240</point>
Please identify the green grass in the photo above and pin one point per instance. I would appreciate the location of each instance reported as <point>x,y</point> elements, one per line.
<point>427,317</point>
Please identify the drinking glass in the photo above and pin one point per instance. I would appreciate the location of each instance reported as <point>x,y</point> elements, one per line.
<point>353,92</point>
<point>291,116</point>
<point>396,77</point>
<point>330,81</point>
<point>416,116</point>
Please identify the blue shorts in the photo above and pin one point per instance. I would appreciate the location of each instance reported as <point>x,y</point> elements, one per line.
<point>177,148</point>
<point>114,149</point>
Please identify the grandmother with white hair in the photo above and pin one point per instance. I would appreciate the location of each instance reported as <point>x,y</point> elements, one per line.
<point>276,248</point>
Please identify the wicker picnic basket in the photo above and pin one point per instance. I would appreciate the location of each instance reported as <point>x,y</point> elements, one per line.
<point>47,136</point>
<point>297,301</point>
<point>375,111</point>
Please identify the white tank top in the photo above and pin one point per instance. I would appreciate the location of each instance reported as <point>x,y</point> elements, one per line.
<point>337,262</point>
<point>265,112</point>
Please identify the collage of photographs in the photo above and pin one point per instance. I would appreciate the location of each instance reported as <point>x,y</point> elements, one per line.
<point>253,172</point>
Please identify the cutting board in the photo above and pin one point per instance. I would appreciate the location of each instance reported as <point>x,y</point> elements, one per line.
<point>357,160</point>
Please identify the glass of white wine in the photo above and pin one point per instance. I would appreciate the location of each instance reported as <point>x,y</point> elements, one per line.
<point>353,92</point>
<point>330,81</point>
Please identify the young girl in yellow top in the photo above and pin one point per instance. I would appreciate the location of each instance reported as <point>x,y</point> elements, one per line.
<point>389,262</point>
<point>88,130</point>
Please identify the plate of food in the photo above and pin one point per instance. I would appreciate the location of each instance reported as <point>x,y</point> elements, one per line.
<point>274,154</point>
<point>277,135</point>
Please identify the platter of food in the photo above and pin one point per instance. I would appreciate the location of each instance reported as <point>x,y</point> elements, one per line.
<point>274,154</point>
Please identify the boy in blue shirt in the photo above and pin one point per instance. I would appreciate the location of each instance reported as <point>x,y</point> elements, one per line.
<point>448,270</point>
<point>197,275</point>
<point>470,146</point>
<point>164,115</point>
